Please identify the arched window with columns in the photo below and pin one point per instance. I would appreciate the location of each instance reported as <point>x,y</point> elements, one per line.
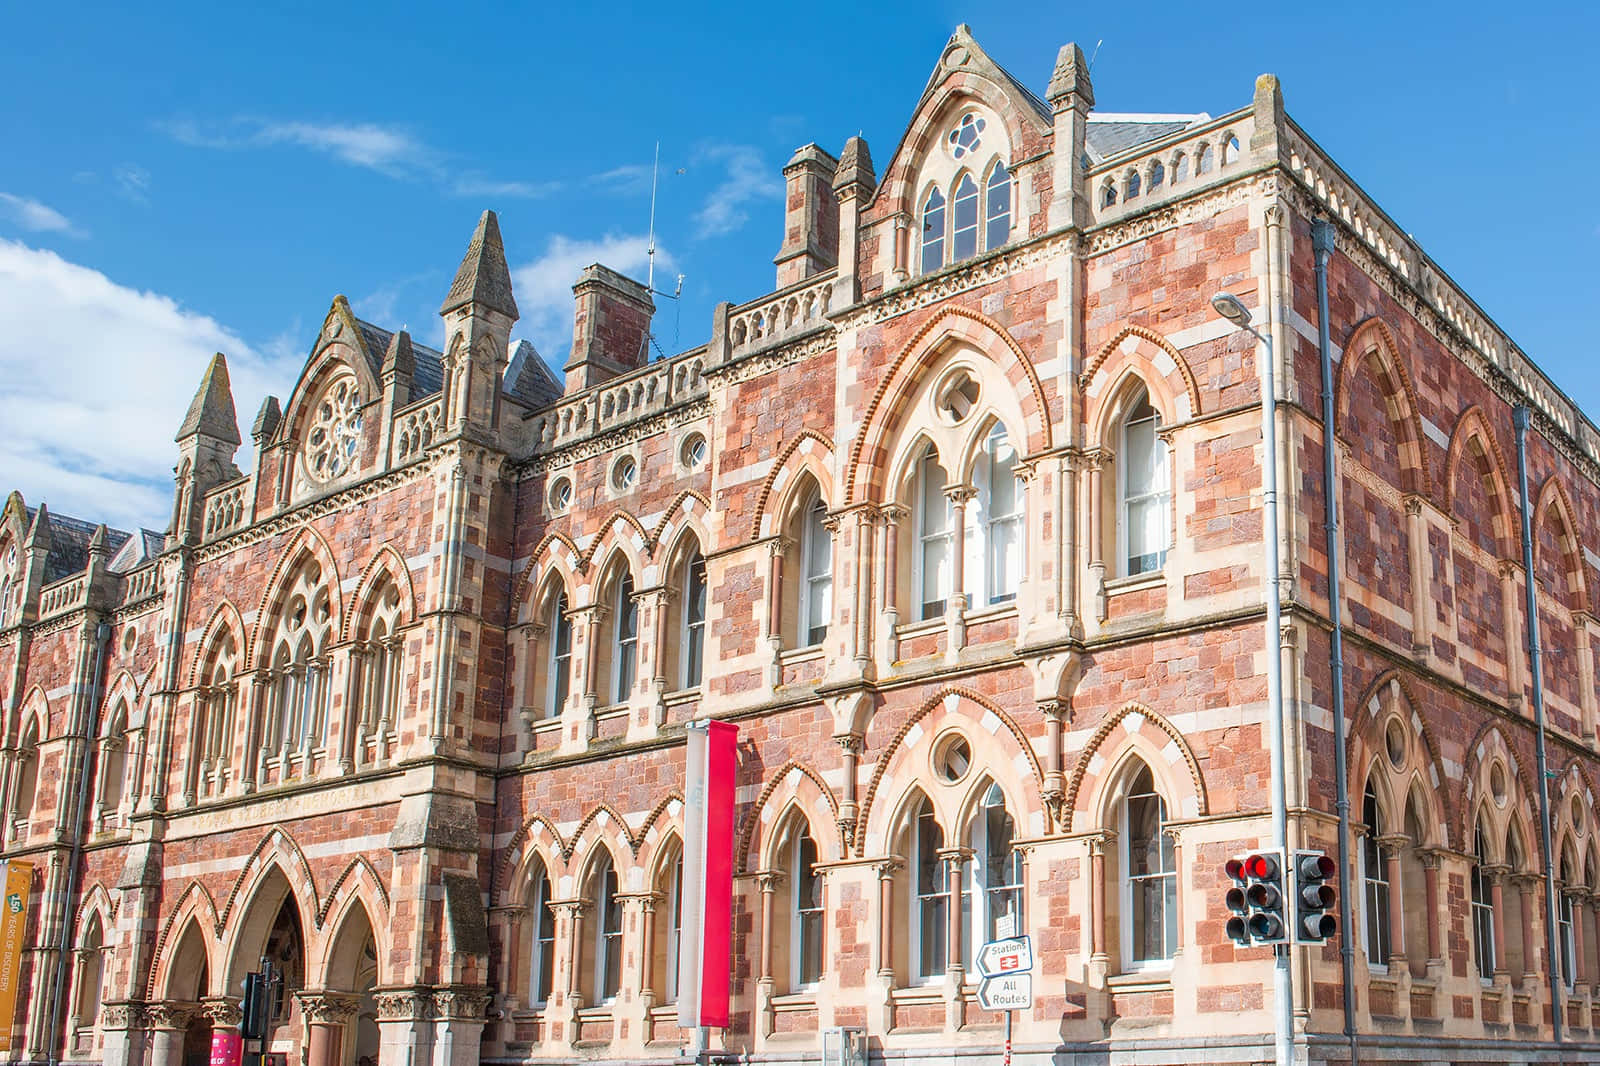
<point>1566,923</point>
<point>27,791</point>
<point>692,639</point>
<point>1375,886</point>
<point>216,718</point>
<point>816,555</point>
<point>1148,882</point>
<point>540,933</point>
<point>601,947</point>
<point>806,911</point>
<point>110,805</point>
<point>1516,910</point>
<point>558,669</point>
<point>993,906</point>
<point>1483,916</point>
<point>624,640</point>
<point>928,899</point>
<point>934,524</point>
<point>1143,489</point>
<point>995,526</point>
<point>297,703</point>
<point>86,995</point>
<point>380,654</point>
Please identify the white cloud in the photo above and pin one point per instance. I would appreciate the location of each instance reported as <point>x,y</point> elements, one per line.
<point>748,178</point>
<point>543,288</point>
<point>488,189</point>
<point>387,149</point>
<point>34,216</point>
<point>133,181</point>
<point>98,377</point>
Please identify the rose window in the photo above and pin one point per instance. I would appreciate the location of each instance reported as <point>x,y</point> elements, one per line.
<point>335,432</point>
<point>966,137</point>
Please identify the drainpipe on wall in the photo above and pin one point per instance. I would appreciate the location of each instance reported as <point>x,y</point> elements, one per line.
<point>1323,243</point>
<point>56,1032</point>
<point>1520,416</point>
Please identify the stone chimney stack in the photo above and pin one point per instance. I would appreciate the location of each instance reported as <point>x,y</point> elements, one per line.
<point>610,328</point>
<point>810,216</point>
<point>853,185</point>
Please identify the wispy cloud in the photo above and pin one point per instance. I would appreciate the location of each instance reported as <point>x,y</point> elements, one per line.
<point>36,217</point>
<point>747,178</point>
<point>390,150</point>
<point>488,189</point>
<point>97,442</point>
<point>628,179</point>
<point>544,285</point>
<point>133,182</point>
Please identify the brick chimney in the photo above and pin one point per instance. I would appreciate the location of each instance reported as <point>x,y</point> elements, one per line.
<point>610,329</point>
<point>810,216</point>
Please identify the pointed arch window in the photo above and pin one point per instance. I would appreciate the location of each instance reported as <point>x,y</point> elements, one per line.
<point>1375,887</point>
<point>380,659</point>
<point>297,719</point>
<point>8,574</point>
<point>626,641</point>
<point>542,940</point>
<point>113,770</point>
<point>91,977</point>
<point>1150,877</point>
<point>816,552</point>
<point>674,926</point>
<point>934,537</point>
<point>560,665</point>
<point>997,208</point>
<point>933,231</point>
<point>27,794</point>
<point>217,703</point>
<point>694,620</point>
<point>998,518</point>
<point>930,901</point>
<point>995,889</point>
<point>607,932</point>
<point>1482,906</point>
<point>964,217</point>
<point>805,902</point>
<point>1565,927</point>
<point>1144,488</point>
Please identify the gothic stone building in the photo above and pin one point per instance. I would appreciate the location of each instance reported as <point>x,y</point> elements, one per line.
<point>961,525</point>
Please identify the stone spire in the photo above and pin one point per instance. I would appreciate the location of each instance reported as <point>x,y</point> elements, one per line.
<point>40,538</point>
<point>211,410</point>
<point>1070,77</point>
<point>267,419</point>
<point>483,278</point>
<point>855,167</point>
<point>399,359</point>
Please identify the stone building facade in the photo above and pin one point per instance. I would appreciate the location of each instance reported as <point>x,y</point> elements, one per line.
<point>961,525</point>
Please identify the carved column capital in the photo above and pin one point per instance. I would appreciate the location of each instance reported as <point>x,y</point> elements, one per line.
<point>769,880</point>
<point>850,744</point>
<point>222,1010</point>
<point>1056,708</point>
<point>893,513</point>
<point>412,1003</point>
<point>170,1015</point>
<point>888,866</point>
<point>959,495</point>
<point>323,1007</point>
<point>1413,504</point>
<point>122,1014</point>
<point>461,1002</point>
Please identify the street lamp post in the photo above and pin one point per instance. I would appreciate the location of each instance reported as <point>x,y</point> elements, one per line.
<point>1228,306</point>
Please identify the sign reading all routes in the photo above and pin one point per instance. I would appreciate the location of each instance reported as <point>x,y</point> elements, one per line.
<point>998,958</point>
<point>1014,991</point>
<point>1006,966</point>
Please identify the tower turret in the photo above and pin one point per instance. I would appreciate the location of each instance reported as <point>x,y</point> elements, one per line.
<point>478,315</point>
<point>207,441</point>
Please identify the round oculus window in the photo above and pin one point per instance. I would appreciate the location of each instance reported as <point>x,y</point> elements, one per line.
<point>561,495</point>
<point>952,758</point>
<point>1394,743</point>
<point>967,137</point>
<point>1577,815</point>
<point>1497,783</point>
<point>957,397</point>
<point>694,452</point>
<point>335,433</point>
<point>624,474</point>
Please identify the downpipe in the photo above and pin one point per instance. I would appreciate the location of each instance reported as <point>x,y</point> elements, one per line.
<point>1323,243</point>
<point>1521,416</point>
<point>57,1034</point>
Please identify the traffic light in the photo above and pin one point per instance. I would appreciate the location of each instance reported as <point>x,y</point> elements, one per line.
<point>252,1026</point>
<point>1238,907</point>
<point>1314,897</point>
<point>1264,897</point>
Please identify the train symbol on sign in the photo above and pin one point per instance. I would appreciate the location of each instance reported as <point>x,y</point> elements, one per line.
<point>999,957</point>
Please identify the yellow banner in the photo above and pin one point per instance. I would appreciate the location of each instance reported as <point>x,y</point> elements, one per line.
<point>13,924</point>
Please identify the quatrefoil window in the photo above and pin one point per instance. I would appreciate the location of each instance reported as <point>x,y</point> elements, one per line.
<point>967,136</point>
<point>335,433</point>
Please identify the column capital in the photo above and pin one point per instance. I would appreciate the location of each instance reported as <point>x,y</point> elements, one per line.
<point>405,1003</point>
<point>894,513</point>
<point>959,495</point>
<point>956,856</point>
<point>1057,708</point>
<point>1429,858</point>
<point>222,1010</point>
<point>461,1002</point>
<point>323,1007</point>
<point>769,880</point>
<point>1509,569</point>
<point>888,866</point>
<point>1100,842</point>
<point>122,1014</point>
<point>780,545</point>
<point>170,1015</point>
<point>1394,843</point>
<point>851,744</point>
<point>1413,504</point>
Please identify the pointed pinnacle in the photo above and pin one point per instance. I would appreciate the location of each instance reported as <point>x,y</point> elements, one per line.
<point>39,534</point>
<point>399,358</point>
<point>483,278</point>
<point>211,410</point>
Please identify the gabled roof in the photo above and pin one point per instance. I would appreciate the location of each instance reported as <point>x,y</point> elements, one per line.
<point>143,546</point>
<point>427,374</point>
<point>528,379</point>
<point>69,544</point>
<point>1110,134</point>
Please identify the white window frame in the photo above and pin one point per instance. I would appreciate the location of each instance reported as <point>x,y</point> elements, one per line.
<point>1566,944</point>
<point>674,927</point>
<point>1009,214</point>
<point>558,683</point>
<point>691,670</point>
<point>978,902</point>
<point>816,566</point>
<point>607,942</point>
<point>624,650</point>
<point>798,915</point>
<point>993,592</point>
<point>1376,894</point>
<point>1482,907</point>
<point>924,539</point>
<point>1129,964</point>
<point>1125,501</point>
<point>943,238</point>
<point>540,948</point>
<point>939,898</point>
<point>976,228</point>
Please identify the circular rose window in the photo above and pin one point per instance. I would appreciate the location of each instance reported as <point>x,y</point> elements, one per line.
<point>335,432</point>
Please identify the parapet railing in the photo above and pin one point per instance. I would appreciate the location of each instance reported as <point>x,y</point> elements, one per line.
<point>1171,167</point>
<point>648,390</point>
<point>780,315</point>
<point>63,596</point>
<point>225,509</point>
<point>415,427</point>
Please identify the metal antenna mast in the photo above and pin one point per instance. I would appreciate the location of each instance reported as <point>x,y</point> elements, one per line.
<point>650,248</point>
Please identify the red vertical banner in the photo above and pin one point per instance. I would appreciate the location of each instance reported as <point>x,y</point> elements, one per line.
<point>227,1047</point>
<point>705,962</point>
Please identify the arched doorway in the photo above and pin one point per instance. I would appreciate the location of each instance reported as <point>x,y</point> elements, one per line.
<point>188,982</point>
<point>351,977</point>
<point>272,931</point>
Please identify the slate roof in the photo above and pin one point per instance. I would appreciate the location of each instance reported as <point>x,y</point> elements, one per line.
<point>529,379</point>
<point>143,546</point>
<point>428,376</point>
<point>69,544</point>
<point>1113,134</point>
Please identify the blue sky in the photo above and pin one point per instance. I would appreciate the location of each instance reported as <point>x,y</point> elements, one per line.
<point>198,179</point>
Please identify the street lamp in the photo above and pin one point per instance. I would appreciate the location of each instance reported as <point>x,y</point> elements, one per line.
<point>1228,306</point>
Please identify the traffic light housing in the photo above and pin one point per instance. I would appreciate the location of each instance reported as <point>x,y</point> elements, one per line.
<point>1257,901</point>
<point>1238,908</point>
<point>1315,897</point>
<point>252,1026</point>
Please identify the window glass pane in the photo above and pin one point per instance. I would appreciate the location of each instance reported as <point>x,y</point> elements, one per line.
<point>964,240</point>
<point>819,575</point>
<point>561,656</point>
<point>933,232</point>
<point>998,208</point>
<point>694,622</point>
<point>932,899</point>
<point>808,912</point>
<point>934,518</point>
<point>936,575</point>
<point>627,629</point>
<point>1150,872</point>
<point>1138,445</point>
<point>1001,496</point>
